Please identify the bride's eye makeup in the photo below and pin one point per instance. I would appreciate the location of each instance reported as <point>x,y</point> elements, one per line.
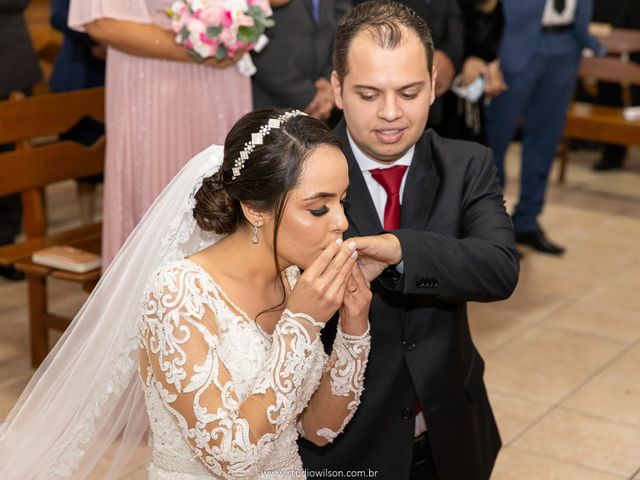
<point>319,212</point>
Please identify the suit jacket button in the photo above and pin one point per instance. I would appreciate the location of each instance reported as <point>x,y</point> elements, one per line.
<point>421,283</point>
<point>432,283</point>
<point>409,344</point>
<point>406,413</point>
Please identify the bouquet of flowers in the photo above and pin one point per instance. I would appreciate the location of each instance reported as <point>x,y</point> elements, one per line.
<point>221,28</point>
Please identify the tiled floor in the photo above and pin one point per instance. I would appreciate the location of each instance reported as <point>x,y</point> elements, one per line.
<point>562,355</point>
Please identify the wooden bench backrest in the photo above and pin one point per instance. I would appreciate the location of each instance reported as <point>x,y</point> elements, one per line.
<point>610,69</point>
<point>51,114</point>
<point>28,169</point>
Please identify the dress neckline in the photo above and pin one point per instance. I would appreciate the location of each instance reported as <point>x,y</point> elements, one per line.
<point>226,298</point>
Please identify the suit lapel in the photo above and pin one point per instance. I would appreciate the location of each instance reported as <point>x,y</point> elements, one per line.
<point>309,5</point>
<point>420,188</point>
<point>359,208</point>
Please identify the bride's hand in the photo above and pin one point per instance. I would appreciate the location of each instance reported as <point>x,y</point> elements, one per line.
<point>377,252</point>
<point>320,290</point>
<point>224,63</point>
<point>354,312</point>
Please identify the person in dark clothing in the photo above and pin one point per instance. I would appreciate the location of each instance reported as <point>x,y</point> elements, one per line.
<point>19,72</point>
<point>433,232</point>
<point>293,69</point>
<point>481,77</point>
<point>540,54</point>
<point>80,63</point>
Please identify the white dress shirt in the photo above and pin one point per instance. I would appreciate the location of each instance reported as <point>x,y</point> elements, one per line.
<point>551,18</point>
<point>379,197</point>
<point>377,191</point>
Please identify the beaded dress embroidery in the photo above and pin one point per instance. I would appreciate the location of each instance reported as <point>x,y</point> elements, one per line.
<point>223,398</point>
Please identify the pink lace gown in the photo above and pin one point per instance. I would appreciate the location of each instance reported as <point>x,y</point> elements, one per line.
<point>159,113</point>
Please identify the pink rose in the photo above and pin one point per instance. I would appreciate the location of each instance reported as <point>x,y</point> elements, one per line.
<point>263,4</point>
<point>196,27</point>
<point>227,19</point>
<point>245,20</point>
<point>227,37</point>
<point>207,40</point>
<point>212,14</point>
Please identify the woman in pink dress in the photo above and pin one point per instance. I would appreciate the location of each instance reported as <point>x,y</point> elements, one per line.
<point>161,106</point>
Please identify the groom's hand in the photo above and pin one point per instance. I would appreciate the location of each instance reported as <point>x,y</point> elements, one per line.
<point>377,252</point>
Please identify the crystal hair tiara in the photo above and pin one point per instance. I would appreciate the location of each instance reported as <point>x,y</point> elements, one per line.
<point>258,137</point>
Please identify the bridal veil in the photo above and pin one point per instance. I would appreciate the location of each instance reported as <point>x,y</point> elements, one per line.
<point>85,402</point>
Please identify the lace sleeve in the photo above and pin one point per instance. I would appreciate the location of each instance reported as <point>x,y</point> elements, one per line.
<point>181,341</point>
<point>338,396</point>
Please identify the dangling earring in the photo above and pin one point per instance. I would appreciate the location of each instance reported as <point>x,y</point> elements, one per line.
<point>254,238</point>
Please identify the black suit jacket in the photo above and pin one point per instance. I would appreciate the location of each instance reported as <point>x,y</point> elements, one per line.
<point>458,246</point>
<point>19,66</point>
<point>298,53</point>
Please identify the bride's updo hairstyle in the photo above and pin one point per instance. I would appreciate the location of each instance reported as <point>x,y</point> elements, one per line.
<point>271,170</point>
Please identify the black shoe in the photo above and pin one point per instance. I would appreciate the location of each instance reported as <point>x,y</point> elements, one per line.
<point>538,240</point>
<point>607,164</point>
<point>11,274</point>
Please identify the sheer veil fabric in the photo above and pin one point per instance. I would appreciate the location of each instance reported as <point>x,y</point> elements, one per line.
<point>86,401</point>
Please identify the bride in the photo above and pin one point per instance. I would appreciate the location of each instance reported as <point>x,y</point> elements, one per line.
<point>204,321</point>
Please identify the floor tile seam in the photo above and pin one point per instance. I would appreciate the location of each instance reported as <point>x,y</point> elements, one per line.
<point>595,416</point>
<point>540,321</point>
<point>546,316</point>
<point>622,352</point>
<point>572,392</point>
<point>570,462</point>
<point>518,397</point>
<point>591,335</point>
<point>621,211</point>
<point>598,193</point>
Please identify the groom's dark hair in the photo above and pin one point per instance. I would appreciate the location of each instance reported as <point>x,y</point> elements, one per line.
<point>386,22</point>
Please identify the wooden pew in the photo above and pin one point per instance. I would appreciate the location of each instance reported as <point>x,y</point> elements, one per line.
<point>586,121</point>
<point>28,170</point>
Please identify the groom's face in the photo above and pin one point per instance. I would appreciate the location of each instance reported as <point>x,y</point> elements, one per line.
<point>385,95</point>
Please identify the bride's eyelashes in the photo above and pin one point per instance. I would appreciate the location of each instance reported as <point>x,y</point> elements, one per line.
<point>325,209</point>
<point>319,212</point>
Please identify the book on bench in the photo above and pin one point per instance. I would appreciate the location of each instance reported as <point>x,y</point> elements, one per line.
<point>67,258</point>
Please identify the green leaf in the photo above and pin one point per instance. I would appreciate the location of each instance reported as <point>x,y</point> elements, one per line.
<point>195,55</point>
<point>248,34</point>
<point>213,31</point>
<point>221,54</point>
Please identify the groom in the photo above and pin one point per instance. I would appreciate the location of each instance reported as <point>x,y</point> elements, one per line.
<point>424,412</point>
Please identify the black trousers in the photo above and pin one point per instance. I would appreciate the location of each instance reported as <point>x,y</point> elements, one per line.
<point>423,467</point>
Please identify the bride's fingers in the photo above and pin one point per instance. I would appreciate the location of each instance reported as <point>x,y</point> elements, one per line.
<point>359,278</point>
<point>319,265</point>
<point>352,285</point>
<point>338,284</point>
<point>337,263</point>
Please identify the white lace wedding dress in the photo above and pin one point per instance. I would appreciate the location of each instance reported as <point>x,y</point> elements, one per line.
<point>224,398</point>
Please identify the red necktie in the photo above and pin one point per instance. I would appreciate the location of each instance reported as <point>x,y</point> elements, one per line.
<point>390,179</point>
